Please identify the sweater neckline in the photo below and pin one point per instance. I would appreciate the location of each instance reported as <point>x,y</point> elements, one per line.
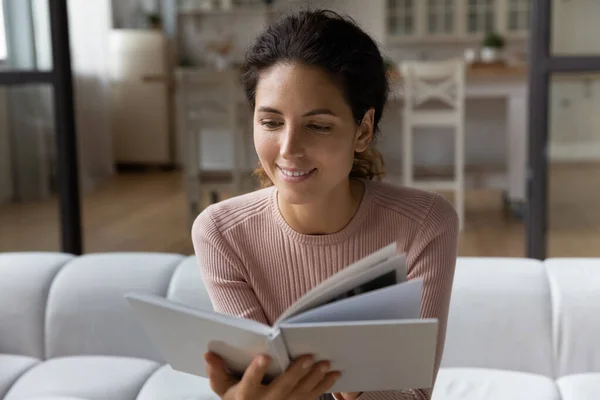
<point>326,239</point>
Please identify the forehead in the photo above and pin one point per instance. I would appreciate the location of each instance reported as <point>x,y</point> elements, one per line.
<point>296,83</point>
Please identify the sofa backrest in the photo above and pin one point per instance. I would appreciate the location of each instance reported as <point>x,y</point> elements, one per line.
<point>500,316</point>
<point>25,280</point>
<point>57,305</point>
<point>517,314</point>
<point>575,287</point>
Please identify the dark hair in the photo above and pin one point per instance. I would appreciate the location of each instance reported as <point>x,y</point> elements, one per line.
<point>325,39</point>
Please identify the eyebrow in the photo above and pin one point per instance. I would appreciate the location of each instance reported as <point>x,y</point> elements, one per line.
<point>317,111</point>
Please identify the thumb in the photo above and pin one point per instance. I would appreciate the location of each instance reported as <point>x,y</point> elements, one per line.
<point>338,396</point>
<point>220,380</point>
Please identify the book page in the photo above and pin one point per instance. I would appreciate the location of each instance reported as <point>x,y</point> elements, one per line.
<point>341,284</point>
<point>400,301</point>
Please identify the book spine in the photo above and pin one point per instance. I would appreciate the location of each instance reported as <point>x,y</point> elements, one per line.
<point>278,348</point>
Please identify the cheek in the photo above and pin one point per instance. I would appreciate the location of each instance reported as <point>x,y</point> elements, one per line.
<point>265,147</point>
<point>337,152</point>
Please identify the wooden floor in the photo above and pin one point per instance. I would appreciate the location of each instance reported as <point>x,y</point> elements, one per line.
<point>147,211</point>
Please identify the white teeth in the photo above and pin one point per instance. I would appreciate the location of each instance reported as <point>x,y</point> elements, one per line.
<point>290,173</point>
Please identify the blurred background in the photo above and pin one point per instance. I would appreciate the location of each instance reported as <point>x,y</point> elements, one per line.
<point>162,129</point>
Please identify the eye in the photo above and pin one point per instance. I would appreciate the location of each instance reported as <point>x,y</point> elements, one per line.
<point>270,124</point>
<point>319,128</point>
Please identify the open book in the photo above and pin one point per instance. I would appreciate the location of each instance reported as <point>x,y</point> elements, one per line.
<point>365,320</point>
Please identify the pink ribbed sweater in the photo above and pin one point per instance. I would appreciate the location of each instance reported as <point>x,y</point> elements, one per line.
<point>255,265</point>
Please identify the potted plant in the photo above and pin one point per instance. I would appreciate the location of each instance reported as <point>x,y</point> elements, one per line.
<point>154,21</point>
<point>492,47</point>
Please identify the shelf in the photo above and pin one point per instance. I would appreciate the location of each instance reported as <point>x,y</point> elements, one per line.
<point>247,10</point>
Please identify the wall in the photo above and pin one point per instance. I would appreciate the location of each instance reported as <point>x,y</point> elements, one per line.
<point>89,24</point>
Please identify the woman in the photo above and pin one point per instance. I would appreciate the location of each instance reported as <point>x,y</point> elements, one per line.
<point>317,85</point>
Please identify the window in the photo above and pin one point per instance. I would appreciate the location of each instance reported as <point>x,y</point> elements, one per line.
<point>401,17</point>
<point>480,16</point>
<point>440,16</point>
<point>2,34</point>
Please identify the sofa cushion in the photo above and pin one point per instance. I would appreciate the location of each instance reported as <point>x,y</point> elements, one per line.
<point>87,312</point>
<point>167,383</point>
<point>26,280</point>
<point>11,368</point>
<point>575,285</point>
<point>500,316</point>
<point>54,398</point>
<point>490,384</point>
<point>580,386</point>
<point>86,377</point>
<point>187,286</point>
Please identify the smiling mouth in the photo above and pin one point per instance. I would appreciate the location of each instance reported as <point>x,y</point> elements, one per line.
<point>296,174</point>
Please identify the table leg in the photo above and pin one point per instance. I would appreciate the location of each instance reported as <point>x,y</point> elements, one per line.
<point>516,197</point>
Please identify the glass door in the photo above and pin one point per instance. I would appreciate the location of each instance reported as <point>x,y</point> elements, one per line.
<point>39,194</point>
<point>564,183</point>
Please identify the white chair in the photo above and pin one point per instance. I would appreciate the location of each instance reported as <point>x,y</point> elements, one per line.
<point>209,108</point>
<point>444,83</point>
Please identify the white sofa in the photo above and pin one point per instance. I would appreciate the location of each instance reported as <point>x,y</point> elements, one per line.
<point>518,328</point>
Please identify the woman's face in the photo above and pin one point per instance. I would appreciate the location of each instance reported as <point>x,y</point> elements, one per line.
<point>304,132</point>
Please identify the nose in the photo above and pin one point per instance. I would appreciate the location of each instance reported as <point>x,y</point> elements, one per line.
<point>291,145</point>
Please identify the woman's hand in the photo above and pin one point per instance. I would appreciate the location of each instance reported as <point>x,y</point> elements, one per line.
<point>346,395</point>
<point>303,380</point>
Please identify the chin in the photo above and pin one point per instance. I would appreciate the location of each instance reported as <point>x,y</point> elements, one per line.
<point>294,197</point>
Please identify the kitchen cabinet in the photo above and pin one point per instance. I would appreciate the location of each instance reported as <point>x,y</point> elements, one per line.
<point>574,118</point>
<point>417,20</point>
<point>575,29</point>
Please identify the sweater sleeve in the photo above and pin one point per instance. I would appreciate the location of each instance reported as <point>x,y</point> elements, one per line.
<point>432,257</point>
<point>223,274</point>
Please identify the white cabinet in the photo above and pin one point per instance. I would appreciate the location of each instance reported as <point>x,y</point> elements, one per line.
<point>574,118</point>
<point>518,14</point>
<point>440,17</point>
<point>401,18</point>
<point>480,16</point>
<point>408,20</point>
<point>575,27</point>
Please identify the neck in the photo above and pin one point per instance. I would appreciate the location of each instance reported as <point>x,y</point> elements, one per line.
<point>328,215</point>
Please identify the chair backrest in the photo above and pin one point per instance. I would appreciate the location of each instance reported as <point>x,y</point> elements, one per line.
<point>209,97</point>
<point>443,81</point>
<point>210,118</point>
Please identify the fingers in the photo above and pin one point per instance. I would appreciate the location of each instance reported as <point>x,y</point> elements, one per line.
<point>326,383</point>
<point>253,376</point>
<point>285,383</point>
<point>220,380</point>
<point>308,383</point>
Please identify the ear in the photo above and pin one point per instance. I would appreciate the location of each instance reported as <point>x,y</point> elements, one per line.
<point>364,134</point>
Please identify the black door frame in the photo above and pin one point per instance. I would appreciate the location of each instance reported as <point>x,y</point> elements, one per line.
<point>542,65</point>
<point>61,79</point>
